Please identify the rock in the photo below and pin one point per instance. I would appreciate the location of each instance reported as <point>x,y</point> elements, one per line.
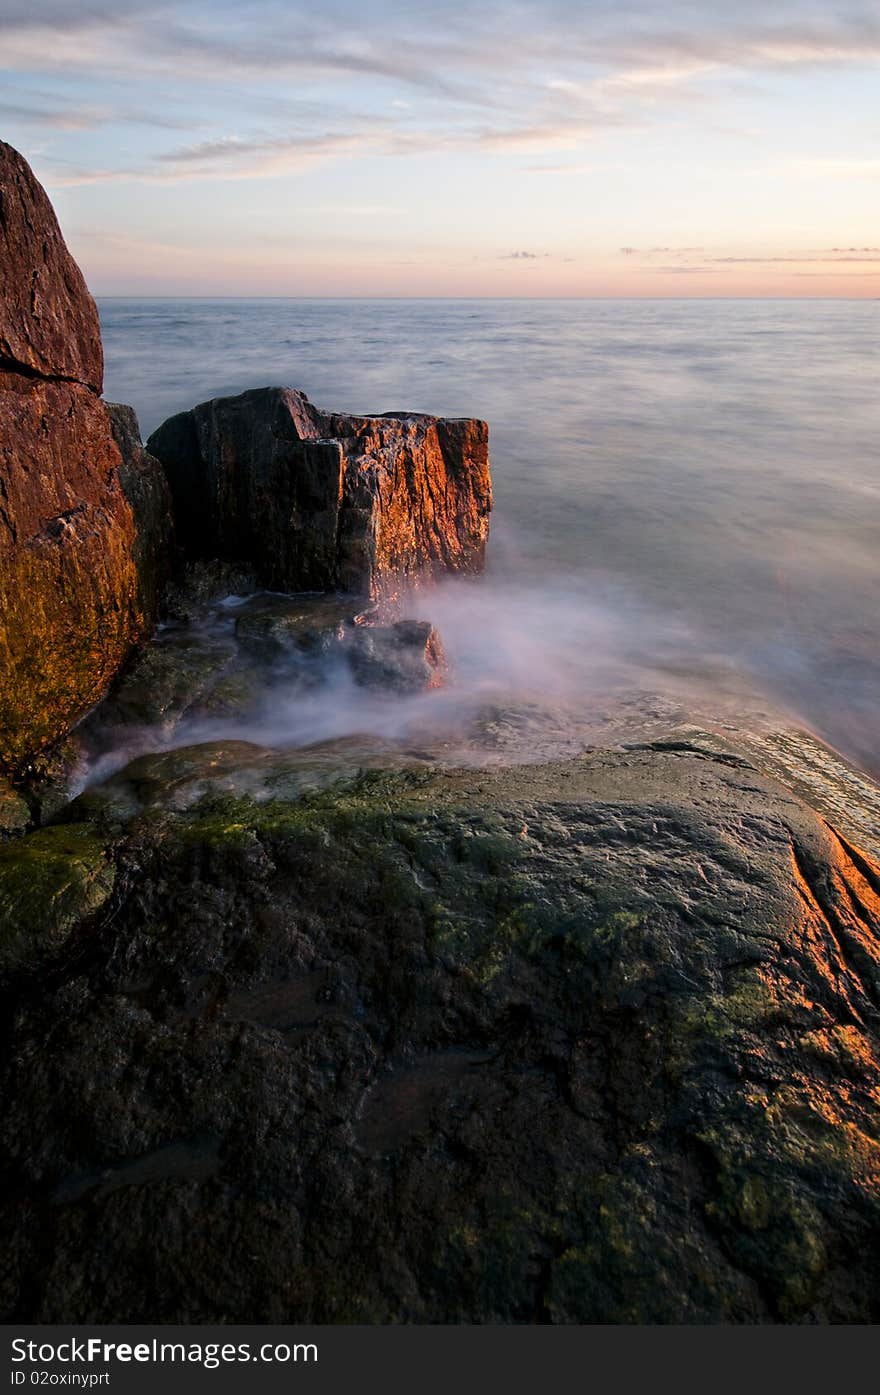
<point>69,611</point>
<point>314,634</point>
<point>165,681</point>
<point>72,605</point>
<point>308,626</point>
<point>165,783</point>
<point>197,585</point>
<point>595,1042</point>
<point>406,657</point>
<point>52,884</point>
<point>321,501</point>
<point>48,778</point>
<point>146,490</point>
<point>48,321</point>
<point>15,814</point>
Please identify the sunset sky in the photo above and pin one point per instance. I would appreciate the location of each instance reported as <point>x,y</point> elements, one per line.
<point>428,148</point>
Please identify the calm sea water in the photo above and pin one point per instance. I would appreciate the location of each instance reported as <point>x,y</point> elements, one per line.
<point>688,492</point>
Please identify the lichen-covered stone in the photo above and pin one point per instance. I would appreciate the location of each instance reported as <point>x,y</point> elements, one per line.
<point>316,500</point>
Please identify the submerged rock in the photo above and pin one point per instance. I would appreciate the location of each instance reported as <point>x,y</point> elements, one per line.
<point>590,1042</point>
<point>316,500</point>
<point>72,604</point>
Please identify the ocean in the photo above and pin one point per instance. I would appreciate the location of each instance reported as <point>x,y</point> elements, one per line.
<point>687,518</point>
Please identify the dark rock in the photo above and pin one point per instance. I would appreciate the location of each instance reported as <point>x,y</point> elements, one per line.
<point>146,491</point>
<point>165,681</point>
<point>52,884</point>
<point>317,500</point>
<point>15,814</point>
<point>47,780</point>
<point>311,626</point>
<point>406,657</point>
<point>587,1043</point>
<point>197,585</point>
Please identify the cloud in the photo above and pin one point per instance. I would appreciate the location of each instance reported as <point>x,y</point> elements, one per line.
<point>523,256</point>
<point>701,259</point>
<point>686,270</point>
<point>837,168</point>
<point>776,261</point>
<point>60,117</point>
<point>49,109</point>
<point>540,76</point>
<point>659,251</point>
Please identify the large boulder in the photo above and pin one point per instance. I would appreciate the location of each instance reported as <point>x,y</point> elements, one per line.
<point>48,321</point>
<point>318,500</point>
<point>594,1042</point>
<point>72,603</point>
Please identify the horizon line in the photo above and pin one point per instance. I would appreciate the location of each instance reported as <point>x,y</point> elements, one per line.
<point>655,299</point>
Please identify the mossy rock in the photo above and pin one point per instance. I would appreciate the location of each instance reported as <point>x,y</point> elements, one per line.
<point>15,814</point>
<point>585,1043</point>
<point>52,884</point>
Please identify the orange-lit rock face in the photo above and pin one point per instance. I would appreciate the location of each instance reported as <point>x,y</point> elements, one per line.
<point>48,321</point>
<point>325,501</point>
<point>68,586</point>
<point>840,922</point>
<point>70,604</point>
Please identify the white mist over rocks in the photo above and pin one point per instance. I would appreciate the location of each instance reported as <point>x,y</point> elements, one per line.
<point>692,487</point>
<point>533,672</point>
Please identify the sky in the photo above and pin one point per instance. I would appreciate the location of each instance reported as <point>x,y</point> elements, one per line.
<point>436,148</point>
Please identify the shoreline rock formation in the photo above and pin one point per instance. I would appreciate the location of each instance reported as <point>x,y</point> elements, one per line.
<point>591,1042</point>
<point>323,501</point>
<point>295,1036</point>
<point>72,602</point>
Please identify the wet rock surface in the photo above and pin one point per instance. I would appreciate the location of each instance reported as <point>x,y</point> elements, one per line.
<point>316,500</point>
<point>230,658</point>
<point>589,1042</point>
<point>406,657</point>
